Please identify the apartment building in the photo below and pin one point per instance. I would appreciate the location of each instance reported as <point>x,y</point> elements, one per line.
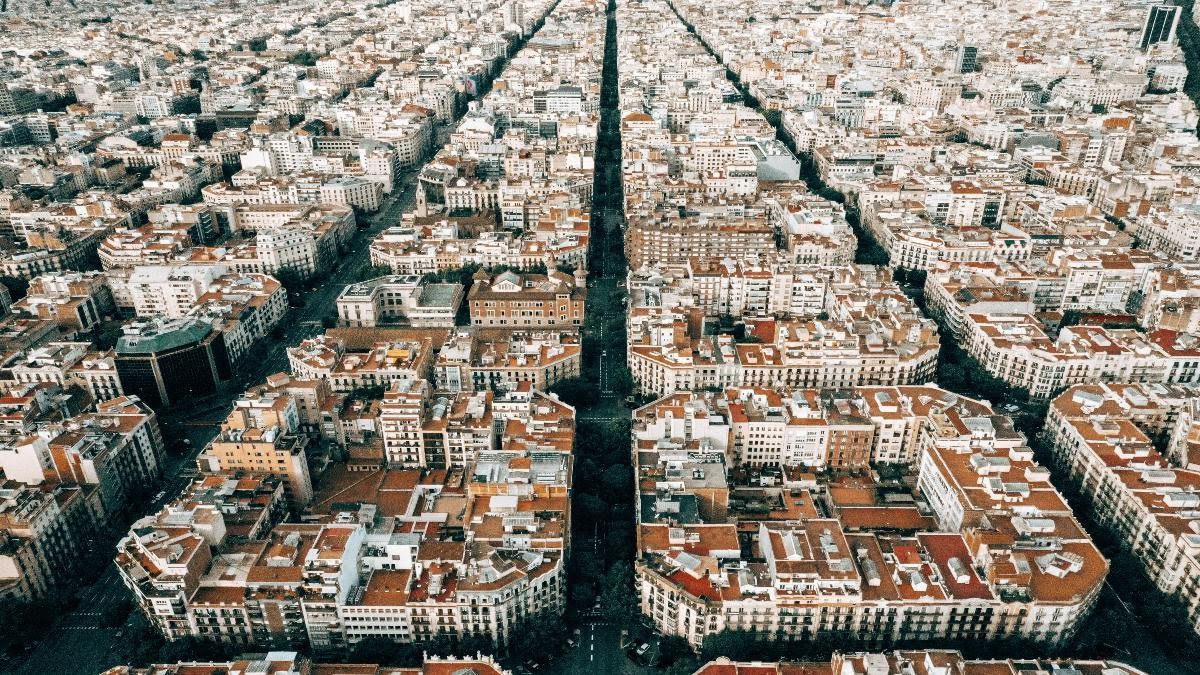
<point>169,291</point>
<point>1128,448</point>
<point>983,547</point>
<point>771,430</point>
<point>399,299</point>
<point>531,301</point>
<point>472,545</point>
<point>41,534</point>
<point>904,661</point>
<point>150,244</point>
<point>98,372</point>
<point>308,187</point>
<point>163,558</point>
<point>801,354</point>
<point>50,363</point>
<point>409,250</point>
<point>74,301</point>
<point>293,663</point>
<point>63,480</point>
<point>1169,299</point>
<point>860,330</point>
<point>667,237</point>
<point>1175,232</point>
<point>913,241</point>
<point>118,449</point>
<point>47,252</point>
<point>502,360</point>
<point>262,436</point>
<point>996,322</point>
<point>326,358</point>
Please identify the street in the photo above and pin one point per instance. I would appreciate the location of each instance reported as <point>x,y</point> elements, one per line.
<point>91,645</point>
<point>598,651</point>
<point>601,646</point>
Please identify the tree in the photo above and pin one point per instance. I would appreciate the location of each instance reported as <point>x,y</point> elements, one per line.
<point>582,594</point>
<point>619,544</point>
<point>537,634</point>
<point>16,286</point>
<point>304,58</point>
<point>369,271</point>
<point>1071,317</point>
<point>576,391</point>
<point>673,648</point>
<point>186,105</point>
<point>205,128</point>
<point>291,278</point>
<point>618,602</point>
<point>620,379</point>
<point>463,275</point>
<point>735,644</point>
<point>22,624</point>
<point>683,667</point>
<point>381,650</point>
<point>615,482</point>
<point>373,393</point>
<point>589,508</point>
<point>832,195</point>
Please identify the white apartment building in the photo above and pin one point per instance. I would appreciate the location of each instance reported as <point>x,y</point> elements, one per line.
<point>966,571</point>
<point>1102,437</point>
<point>399,299</point>
<point>170,291</point>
